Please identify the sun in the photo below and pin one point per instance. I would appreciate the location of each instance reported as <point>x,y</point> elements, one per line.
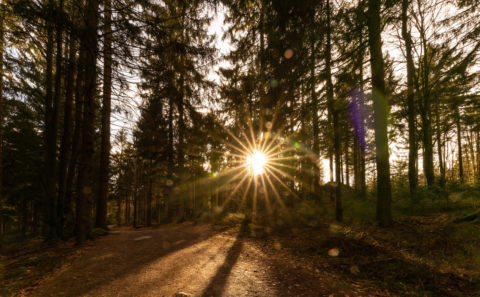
<point>256,161</point>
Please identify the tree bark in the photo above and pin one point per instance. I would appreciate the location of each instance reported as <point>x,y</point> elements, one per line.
<point>49,205</point>
<point>362,130</point>
<point>66,142</point>
<point>315,128</point>
<point>85,168</point>
<point>412,141</point>
<point>459,145</point>
<point>2,43</point>
<point>439,146</point>
<point>170,165</point>
<point>102,197</point>
<point>426,113</point>
<point>380,107</point>
<point>76,139</point>
<point>335,116</point>
<point>478,156</point>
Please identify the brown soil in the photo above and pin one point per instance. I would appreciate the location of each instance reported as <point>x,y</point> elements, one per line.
<point>201,260</point>
<point>206,260</point>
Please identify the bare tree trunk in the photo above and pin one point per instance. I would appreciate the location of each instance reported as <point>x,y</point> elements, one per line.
<point>412,141</point>
<point>315,128</point>
<point>127,209</point>
<point>347,170</point>
<point>459,145</point>
<point>135,199</point>
<point>102,197</point>
<point>170,202</point>
<point>362,133</point>
<point>50,220</point>
<point>262,65</point>
<point>384,213</point>
<point>439,146</point>
<point>85,166</point>
<point>425,111</point>
<point>2,43</point>
<point>478,156</point>
<point>356,169</point>
<point>66,143</point>
<point>76,140</point>
<point>471,141</point>
<point>335,115</point>
<point>149,195</point>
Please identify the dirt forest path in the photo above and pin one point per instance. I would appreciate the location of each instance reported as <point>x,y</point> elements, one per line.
<point>201,260</point>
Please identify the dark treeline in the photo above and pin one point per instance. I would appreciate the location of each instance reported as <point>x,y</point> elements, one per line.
<point>382,94</point>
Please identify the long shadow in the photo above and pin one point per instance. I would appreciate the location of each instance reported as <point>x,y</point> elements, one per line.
<point>218,282</point>
<point>125,262</point>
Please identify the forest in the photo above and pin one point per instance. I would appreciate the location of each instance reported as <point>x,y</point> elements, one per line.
<point>239,148</point>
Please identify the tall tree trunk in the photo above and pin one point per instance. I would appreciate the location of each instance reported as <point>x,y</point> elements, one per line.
<point>471,171</point>
<point>362,130</point>
<point>439,145</point>
<point>426,113</point>
<point>135,196</point>
<point>101,217</point>
<point>66,142</point>
<point>2,34</point>
<point>262,82</point>
<point>471,142</point>
<point>380,107</point>
<point>149,198</point>
<point>356,169</point>
<point>170,200</point>
<point>478,156</point>
<point>314,110</point>
<point>180,152</point>
<point>127,209</point>
<point>347,170</point>
<point>49,211</point>
<point>335,115</point>
<point>76,140</point>
<point>459,145</point>
<point>412,141</point>
<point>427,142</point>
<point>85,166</point>
<point>56,100</point>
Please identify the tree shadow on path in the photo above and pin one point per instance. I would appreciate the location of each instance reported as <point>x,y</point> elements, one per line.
<point>118,257</point>
<point>216,287</point>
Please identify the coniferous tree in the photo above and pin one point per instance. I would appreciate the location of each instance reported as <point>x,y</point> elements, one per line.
<point>380,107</point>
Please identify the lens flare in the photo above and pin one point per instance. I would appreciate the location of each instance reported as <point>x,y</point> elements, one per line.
<point>288,54</point>
<point>256,161</point>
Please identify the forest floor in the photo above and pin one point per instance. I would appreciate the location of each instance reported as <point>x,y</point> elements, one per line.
<point>410,259</point>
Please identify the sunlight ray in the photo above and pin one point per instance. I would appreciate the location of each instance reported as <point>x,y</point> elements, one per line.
<point>282,165</point>
<point>282,183</point>
<point>211,178</point>
<point>283,173</point>
<point>277,195</point>
<point>285,158</point>
<point>267,198</point>
<point>245,193</point>
<point>277,135</point>
<point>245,136</point>
<point>238,140</point>
<point>234,191</point>
<point>250,127</point>
<point>226,184</point>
